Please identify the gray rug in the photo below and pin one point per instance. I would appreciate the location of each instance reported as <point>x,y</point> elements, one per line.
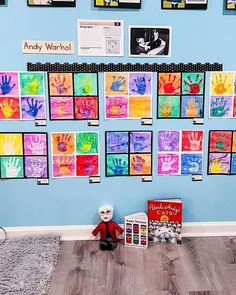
<point>27,264</point>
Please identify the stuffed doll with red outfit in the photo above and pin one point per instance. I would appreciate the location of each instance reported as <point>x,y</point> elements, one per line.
<point>107,229</point>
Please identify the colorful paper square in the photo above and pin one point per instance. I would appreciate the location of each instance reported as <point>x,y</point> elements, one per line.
<point>140,107</point>
<point>222,83</point>
<point>220,141</point>
<point>61,108</point>
<point>221,106</point>
<point>36,167</point>
<point>193,83</point>
<point>169,83</point>
<point>116,83</point>
<point>9,108</point>
<point>168,141</point>
<point>192,141</point>
<point>168,164</point>
<point>60,84</point>
<point>140,84</point>
<point>191,164</point>
<point>35,144</point>
<point>63,143</point>
<point>63,166</point>
<point>219,163</point>
<point>31,83</point>
<point>87,165</point>
<point>140,164</point>
<point>117,165</point>
<point>11,144</point>
<point>168,106</point>
<point>140,142</point>
<point>33,107</point>
<point>117,142</point>
<point>9,84</point>
<point>12,167</point>
<point>86,107</point>
<point>192,107</point>
<point>85,84</point>
<point>87,143</point>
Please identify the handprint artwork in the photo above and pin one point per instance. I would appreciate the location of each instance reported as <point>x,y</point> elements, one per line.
<point>219,163</point>
<point>35,144</point>
<point>234,107</point>
<point>9,108</point>
<point>220,141</point>
<point>33,107</point>
<point>60,84</point>
<point>63,143</point>
<point>11,144</point>
<point>116,107</point>
<point>12,167</point>
<point>168,164</point>
<point>168,141</point>
<point>140,142</point>
<point>234,142</point>
<point>87,143</point>
<point>169,83</point>
<point>116,83</point>
<point>36,167</point>
<point>63,166</point>
<point>86,107</point>
<point>193,83</point>
<point>9,84</point>
<point>32,83</point>
<point>233,164</point>
<point>61,108</point>
<point>87,165</point>
<point>192,140</point>
<point>222,83</point>
<point>117,142</point>
<point>140,164</point>
<point>140,107</point>
<point>85,84</point>
<point>191,163</point>
<point>140,84</point>
<point>192,107</point>
<point>221,106</point>
<point>117,165</point>
<point>168,106</point>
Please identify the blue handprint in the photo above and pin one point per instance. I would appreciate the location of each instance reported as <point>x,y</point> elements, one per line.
<point>117,142</point>
<point>119,167</point>
<point>33,107</point>
<point>141,85</point>
<point>117,83</point>
<point>140,142</point>
<point>218,107</point>
<point>5,85</point>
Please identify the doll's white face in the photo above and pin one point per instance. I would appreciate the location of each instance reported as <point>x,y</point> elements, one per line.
<point>105,213</point>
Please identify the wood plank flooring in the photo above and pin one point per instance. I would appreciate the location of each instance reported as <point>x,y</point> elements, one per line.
<point>200,266</point>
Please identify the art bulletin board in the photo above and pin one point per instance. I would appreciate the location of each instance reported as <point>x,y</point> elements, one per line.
<point>73,96</point>
<point>24,155</point>
<point>180,152</point>
<point>22,96</point>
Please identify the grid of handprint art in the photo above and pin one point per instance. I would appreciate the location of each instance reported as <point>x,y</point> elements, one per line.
<point>180,95</point>
<point>222,95</point>
<point>222,152</point>
<point>180,152</point>
<point>230,4</point>
<point>22,96</point>
<point>128,153</point>
<point>23,155</point>
<point>128,95</point>
<point>73,96</point>
<point>75,154</point>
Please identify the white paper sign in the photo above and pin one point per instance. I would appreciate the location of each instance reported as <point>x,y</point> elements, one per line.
<point>101,37</point>
<point>48,47</point>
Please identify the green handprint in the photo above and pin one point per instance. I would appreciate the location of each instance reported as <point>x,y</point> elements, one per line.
<point>222,142</point>
<point>85,84</point>
<point>219,107</point>
<point>31,84</point>
<point>87,143</point>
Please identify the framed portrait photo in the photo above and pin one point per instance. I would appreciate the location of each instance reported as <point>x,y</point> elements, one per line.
<point>135,4</point>
<point>230,4</point>
<point>184,4</point>
<point>149,41</point>
<point>52,3</point>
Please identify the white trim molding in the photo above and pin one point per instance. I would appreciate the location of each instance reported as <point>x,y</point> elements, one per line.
<point>83,232</point>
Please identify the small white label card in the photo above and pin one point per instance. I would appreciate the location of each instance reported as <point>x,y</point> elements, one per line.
<point>48,47</point>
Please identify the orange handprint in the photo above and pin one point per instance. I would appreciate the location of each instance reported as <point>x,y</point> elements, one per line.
<point>221,85</point>
<point>8,108</point>
<point>192,108</point>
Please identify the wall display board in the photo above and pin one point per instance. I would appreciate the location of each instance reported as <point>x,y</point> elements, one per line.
<point>149,41</point>
<point>128,153</point>
<point>128,95</point>
<point>52,3</point>
<point>75,154</point>
<point>22,96</point>
<point>118,3</point>
<point>180,95</point>
<point>73,96</point>
<point>222,152</point>
<point>23,155</point>
<point>180,152</point>
<point>230,4</point>
<point>184,4</point>
<point>222,95</point>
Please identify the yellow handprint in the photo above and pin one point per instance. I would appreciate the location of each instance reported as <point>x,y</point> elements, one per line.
<point>64,164</point>
<point>216,166</point>
<point>32,86</point>
<point>8,108</point>
<point>84,142</point>
<point>192,108</point>
<point>61,108</point>
<point>11,144</point>
<point>139,108</point>
<point>220,86</point>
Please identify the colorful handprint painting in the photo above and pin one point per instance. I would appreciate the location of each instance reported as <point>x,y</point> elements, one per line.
<point>169,83</point>
<point>220,141</point>
<point>168,164</point>
<point>33,107</point>
<point>9,83</point>
<point>36,167</point>
<point>168,106</point>
<point>168,141</point>
<point>12,167</point>
<point>140,84</point>
<point>140,142</point>
<point>140,164</point>
<point>116,83</point>
<point>117,165</point>
<point>222,83</point>
<point>63,166</point>
<point>191,164</point>
<point>60,84</point>
<point>233,164</point>
<point>221,106</point>
<point>61,108</point>
<point>192,107</point>
<point>87,165</point>
<point>11,144</point>
<point>32,83</point>
<point>87,143</point>
<point>10,108</point>
<point>219,163</point>
<point>63,143</point>
<point>35,144</point>
<point>86,108</point>
<point>234,142</point>
<point>193,83</point>
<point>85,84</point>
<point>234,111</point>
<point>140,107</point>
<point>117,142</point>
<point>116,107</point>
<point>192,140</point>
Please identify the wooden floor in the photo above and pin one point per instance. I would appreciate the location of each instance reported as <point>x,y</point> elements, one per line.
<point>200,266</point>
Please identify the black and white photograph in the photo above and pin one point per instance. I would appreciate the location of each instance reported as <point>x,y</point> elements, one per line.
<point>52,3</point>
<point>2,2</point>
<point>150,41</point>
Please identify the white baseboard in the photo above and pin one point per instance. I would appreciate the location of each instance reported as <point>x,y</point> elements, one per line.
<point>83,232</point>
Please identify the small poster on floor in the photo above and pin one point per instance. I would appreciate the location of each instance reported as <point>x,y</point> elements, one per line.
<point>118,3</point>
<point>184,4</point>
<point>52,3</point>
<point>136,230</point>
<point>101,37</point>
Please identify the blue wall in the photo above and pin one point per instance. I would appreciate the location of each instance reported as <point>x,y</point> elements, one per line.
<point>198,36</point>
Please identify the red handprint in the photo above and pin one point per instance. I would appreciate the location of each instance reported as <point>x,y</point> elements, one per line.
<point>169,83</point>
<point>194,87</point>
